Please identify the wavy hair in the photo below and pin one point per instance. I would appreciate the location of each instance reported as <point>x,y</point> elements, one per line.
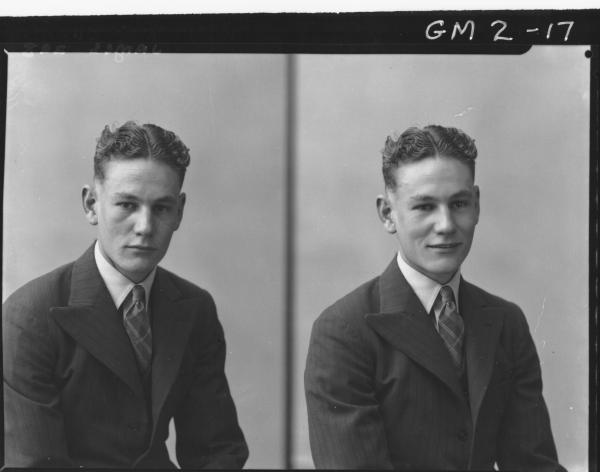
<point>415,144</point>
<point>131,141</point>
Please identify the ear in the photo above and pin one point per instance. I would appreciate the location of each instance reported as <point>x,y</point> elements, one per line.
<point>384,211</point>
<point>476,188</point>
<point>89,199</point>
<point>180,207</point>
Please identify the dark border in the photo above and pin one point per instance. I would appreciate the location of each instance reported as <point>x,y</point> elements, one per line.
<point>3,111</point>
<point>324,33</point>
<point>594,290</point>
<point>299,32</point>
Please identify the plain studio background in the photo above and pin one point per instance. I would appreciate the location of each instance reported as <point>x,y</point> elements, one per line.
<point>529,116</point>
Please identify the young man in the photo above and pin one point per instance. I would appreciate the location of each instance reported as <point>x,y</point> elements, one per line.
<point>417,368</point>
<point>100,354</point>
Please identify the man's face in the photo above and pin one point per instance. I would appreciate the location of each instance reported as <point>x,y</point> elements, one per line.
<point>433,212</point>
<point>137,207</point>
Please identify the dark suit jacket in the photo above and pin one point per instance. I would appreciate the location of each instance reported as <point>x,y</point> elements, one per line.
<point>382,391</point>
<point>73,395</point>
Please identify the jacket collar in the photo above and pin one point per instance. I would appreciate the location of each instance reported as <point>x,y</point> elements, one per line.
<point>403,322</point>
<point>173,316</point>
<point>483,318</point>
<point>92,319</point>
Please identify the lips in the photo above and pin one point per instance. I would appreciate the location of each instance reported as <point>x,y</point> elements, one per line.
<point>444,245</point>
<point>142,248</point>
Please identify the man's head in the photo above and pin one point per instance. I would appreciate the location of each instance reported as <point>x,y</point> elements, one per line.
<point>430,203</point>
<point>135,199</point>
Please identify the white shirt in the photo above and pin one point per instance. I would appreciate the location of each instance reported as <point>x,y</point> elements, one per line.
<point>117,284</point>
<point>427,289</point>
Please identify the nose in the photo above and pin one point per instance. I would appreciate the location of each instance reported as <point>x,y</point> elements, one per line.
<point>143,222</point>
<point>445,221</point>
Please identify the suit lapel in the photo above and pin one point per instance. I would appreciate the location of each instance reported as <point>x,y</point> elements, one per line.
<point>172,321</point>
<point>403,322</point>
<point>93,321</point>
<point>483,324</point>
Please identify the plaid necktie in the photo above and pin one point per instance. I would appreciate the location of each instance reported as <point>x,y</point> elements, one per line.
<point>451,326</point>
<point>137,325</point>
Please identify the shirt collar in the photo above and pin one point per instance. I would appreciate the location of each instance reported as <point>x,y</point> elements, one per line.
<point>426,289</point>
<point>117,284</point>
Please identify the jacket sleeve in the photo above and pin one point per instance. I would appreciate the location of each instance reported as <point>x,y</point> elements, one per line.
<point>525,437</point>
<point>207,430</point>
<point>345,426</point>
<point>34,434</point>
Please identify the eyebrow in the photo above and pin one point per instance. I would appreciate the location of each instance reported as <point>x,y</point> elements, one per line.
<point>166,199</point>
<point>124,196</point>
<point>463,194</point>
<point>128,196</point>
<point>428,198</point>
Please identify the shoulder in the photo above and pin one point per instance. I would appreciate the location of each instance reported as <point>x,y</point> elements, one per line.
<point>185,288</point>
<point>490,299</point>
<point>50,289</point>
<point>512,313</point>
<point>363,299</point>
<point>28,307</point>
<point>341,337</point>
<point>196,298</point>
<point>206,328</point>
<point>349,311</point>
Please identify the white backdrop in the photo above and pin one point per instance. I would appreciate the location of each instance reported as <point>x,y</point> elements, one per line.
<point>529,116</point>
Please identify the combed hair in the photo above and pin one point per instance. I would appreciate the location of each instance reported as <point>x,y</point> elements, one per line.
<point>431,141</point>
<point>131,140</point>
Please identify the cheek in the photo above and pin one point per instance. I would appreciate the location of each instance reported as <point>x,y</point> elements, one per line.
<point>467,224</point>
<point>417,229</point>
<point>112,216</point>
<point>412,238</point>
<point>165,225</point>
<point>164,230</point>
<point>113,227</point>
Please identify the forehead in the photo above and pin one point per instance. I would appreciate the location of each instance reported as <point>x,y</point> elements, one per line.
<point>434,175</point>
<point>139,175</point>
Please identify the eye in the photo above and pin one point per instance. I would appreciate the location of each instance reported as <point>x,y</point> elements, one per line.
<point>126,205</point>
<point>162,208</point>
<point>424,207</point>
<point>460,203</point>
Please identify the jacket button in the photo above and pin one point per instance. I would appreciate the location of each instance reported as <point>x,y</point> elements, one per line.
<point>132,426</point>
<point>462,434</point>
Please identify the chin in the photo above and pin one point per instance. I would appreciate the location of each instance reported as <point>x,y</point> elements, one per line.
<point>136,272</point>
<point>445,270</point>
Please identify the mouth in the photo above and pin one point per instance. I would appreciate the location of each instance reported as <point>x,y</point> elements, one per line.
<point>142,248</point>
<point>446,246</point>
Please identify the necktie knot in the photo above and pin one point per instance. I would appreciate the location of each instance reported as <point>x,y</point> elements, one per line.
<point>138,295</point>
<point>447,297</point>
